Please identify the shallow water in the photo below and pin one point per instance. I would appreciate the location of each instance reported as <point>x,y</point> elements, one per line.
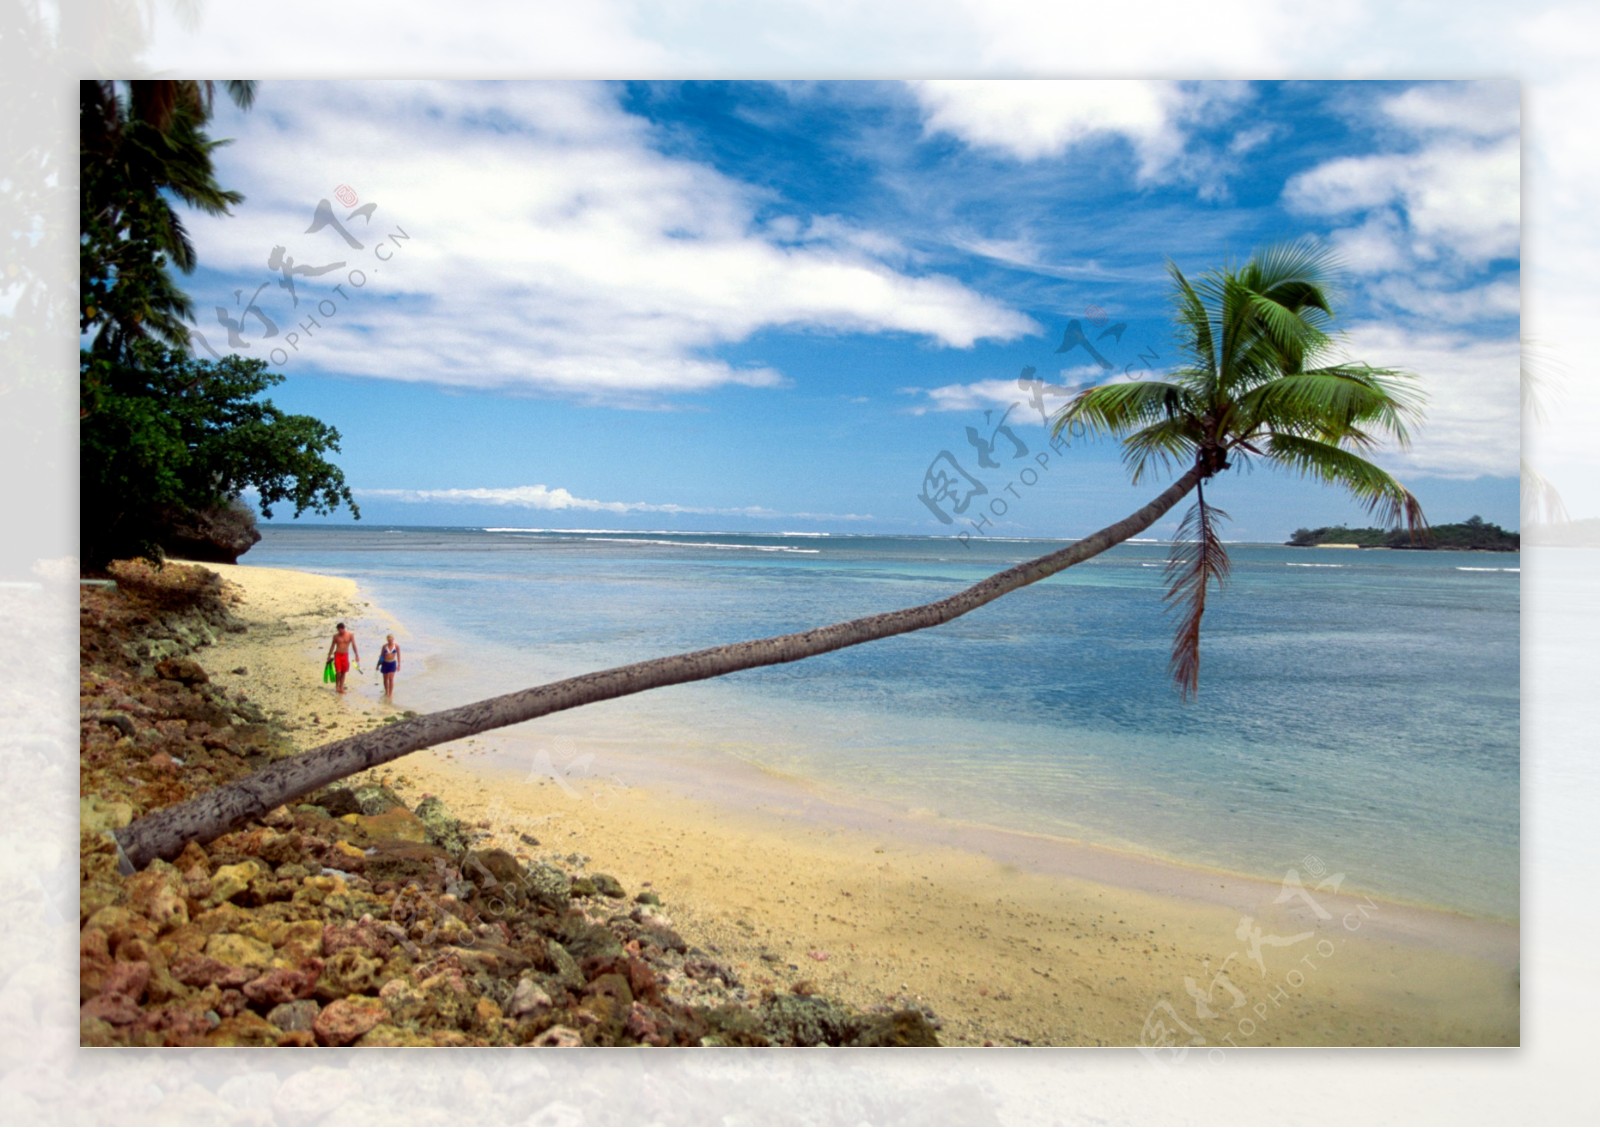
<point>1356,708</point>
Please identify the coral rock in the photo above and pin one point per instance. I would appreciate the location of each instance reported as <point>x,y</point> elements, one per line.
<point>563,1037</point>
<point>112,1007</point>
<point>94,962</point>
<point>178,1024</point>
<point>203,971</point>
<point>157,894</point>
<point>97,815</point>
<point>244,1028</point>
<point>396,824</point>
<point>344,1020</point>
<point>239,951</point>
<point>528,998</point>
<point>185,671</point>
<point>363,935</point>
<point>349,972</point>
<point>230,881</point>
<point>283,985</point>
<point>298,1015</point>
<point>130,979</point>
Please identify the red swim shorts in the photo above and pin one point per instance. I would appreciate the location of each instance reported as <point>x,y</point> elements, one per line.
<point>341,663</point>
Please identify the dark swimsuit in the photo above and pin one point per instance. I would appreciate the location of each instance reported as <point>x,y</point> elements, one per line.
<point>388,665</point>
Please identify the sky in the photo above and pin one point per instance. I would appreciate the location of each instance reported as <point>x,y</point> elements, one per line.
<point>812,306</point>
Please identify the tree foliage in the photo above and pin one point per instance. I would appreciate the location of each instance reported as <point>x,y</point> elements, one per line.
<point>163,431</point>
<point>143,147</point>
<point>164,435</point>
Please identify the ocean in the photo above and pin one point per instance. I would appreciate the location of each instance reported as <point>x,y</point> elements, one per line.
<point>1358,710</point>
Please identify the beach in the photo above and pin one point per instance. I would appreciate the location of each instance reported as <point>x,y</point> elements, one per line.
<point>1008,939</point>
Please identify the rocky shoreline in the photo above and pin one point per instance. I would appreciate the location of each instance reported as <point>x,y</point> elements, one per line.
<point>349,918</point>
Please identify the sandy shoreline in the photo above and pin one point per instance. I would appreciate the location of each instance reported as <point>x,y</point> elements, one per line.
<point>1009,939</point>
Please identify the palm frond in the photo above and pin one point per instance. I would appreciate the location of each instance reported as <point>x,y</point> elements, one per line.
<point>1287,334</point>
<point>175,238</point>
<point>1372,486</point>
<point>1199,338</point>
<point>1168,442</point>
<point>242,91</point>
<point>1327,402</point>
<point>1283,268</point>
<point>1120,408</point>
<point>1198,560</point>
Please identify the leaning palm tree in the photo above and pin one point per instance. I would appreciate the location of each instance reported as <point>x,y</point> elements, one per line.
<point>1256,385</point>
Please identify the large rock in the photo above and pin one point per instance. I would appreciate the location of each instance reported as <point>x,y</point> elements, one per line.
<point>183,670</point>
<point>97,815</point>
<point>805,1020</point>
<point>444,830</point>
<point>394,825</point>
<point>238,951</point>
<point>215,536</point>
<point>344,1020</point>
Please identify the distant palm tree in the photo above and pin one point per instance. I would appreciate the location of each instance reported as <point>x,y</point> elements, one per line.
<point>1256,385</point>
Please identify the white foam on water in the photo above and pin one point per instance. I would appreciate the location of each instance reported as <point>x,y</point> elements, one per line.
<point>707,544</point>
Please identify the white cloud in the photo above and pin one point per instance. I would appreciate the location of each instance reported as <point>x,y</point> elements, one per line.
<point>1252,138</point>
<point>552,247</point>
<point>1037,119</point>
<point>1460,200</point>
<point>1471,423</point>
<point>522,497</point>
<point>985,395</point>
<point>1453,196</point>
<point>1434,301</point>
<point>542,497</point>
<point>1043,119</point>
<point>1376,247</point>
<point>1479,109</point>
<point>1430,220</point>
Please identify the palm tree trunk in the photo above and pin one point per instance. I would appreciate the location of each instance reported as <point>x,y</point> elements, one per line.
<point>163,833</point>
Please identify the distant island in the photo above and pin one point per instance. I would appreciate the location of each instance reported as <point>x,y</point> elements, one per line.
<point>1474,534</point>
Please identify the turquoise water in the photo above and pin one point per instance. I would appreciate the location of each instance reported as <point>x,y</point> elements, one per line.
<point>1361,707</point>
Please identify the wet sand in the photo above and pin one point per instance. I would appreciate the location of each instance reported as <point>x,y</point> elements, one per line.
<point>1009,939</point>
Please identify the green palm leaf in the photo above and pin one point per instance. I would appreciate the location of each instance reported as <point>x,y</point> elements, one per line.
<point>1198,560</point>
<point>1115,409</point>
<point>1371,485</point>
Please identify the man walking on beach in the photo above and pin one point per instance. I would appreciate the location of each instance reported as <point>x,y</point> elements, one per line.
<point>340,651</point>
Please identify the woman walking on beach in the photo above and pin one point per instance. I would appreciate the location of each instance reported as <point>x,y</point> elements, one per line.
<point>388,663</point>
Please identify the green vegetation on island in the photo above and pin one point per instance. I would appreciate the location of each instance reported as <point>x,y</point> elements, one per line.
<point>1474,534</point>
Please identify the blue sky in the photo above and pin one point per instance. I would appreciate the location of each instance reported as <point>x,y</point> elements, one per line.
<point>778,306</point>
